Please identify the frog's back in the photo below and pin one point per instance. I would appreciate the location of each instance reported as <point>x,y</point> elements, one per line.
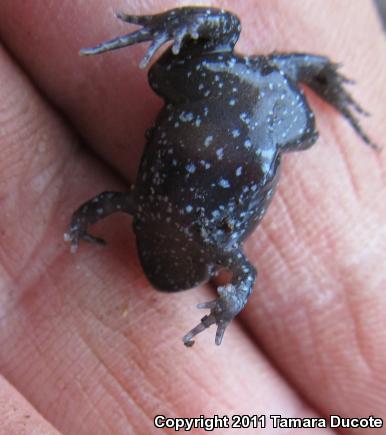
<point>216,143</point>
<point>256,92</point>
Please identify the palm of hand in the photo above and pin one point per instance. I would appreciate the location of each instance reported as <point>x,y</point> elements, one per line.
<point>88,342</point>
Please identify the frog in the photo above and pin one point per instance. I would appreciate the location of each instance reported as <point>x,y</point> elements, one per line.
<point>212,159</point>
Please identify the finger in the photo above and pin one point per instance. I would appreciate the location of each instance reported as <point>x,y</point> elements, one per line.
<point>319,304</point>
<point>18,416</point>
<point>107,98</point>
<point>85,338</point>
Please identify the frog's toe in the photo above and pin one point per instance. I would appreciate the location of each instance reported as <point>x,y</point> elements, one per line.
<point>141,20</point>
<point>222,311</point>
<point>210,304</point>
<point>158,41</point>
<point>183,32</point>
<point>221,326</point>
<point>179,37</point>
<point>70,237</point>
<point>75,233</point>
<point>206,321</point>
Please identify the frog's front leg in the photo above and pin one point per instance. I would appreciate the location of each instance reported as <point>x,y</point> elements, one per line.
<point>211,28</point>
<point>92,211</point>
<point>323,77</point>
<point>231,299</point>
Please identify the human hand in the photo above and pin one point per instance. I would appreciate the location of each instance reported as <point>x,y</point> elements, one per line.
<point>85,339</point>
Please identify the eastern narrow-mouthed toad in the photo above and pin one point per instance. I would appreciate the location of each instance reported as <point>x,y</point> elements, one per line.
<point>210,165</point>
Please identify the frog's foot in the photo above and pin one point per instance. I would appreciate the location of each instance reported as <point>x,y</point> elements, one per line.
<point>77,231</point>
<point>92,211</point>
<point>329,84</point>
<point>222,310</point>
<point>215,26</point>
<point>324,78</point>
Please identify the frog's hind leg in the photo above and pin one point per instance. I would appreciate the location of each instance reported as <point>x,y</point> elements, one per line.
<point>208,29</point>
<point>92,211</point>
<point>323,77</point>
<point>231,299</point>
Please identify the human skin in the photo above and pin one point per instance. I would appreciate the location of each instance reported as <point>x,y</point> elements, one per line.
<point>85,339</point>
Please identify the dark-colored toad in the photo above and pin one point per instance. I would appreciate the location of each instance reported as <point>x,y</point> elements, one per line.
<point>210,165</point>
